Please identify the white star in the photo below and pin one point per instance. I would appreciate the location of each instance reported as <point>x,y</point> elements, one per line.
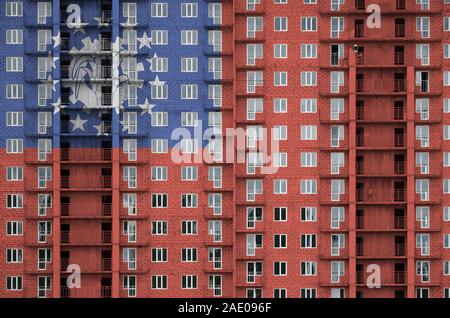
<point>57,106</point>
<point>145,41</point>
<point>125,127</point>
<point>157,81</point>
<point>55,82</point>
<point>101,128</point>
<point>54,60</point>
<point>57,40</point>
<point>78,27</point>
<point>78,123</point>
<point>146,107</point>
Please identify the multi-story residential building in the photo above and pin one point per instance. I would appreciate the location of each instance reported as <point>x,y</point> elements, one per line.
<point>119,170</point>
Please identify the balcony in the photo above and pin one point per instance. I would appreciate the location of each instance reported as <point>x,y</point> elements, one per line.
<point>88,265</point>
<point>381,252</point>
<point>100,182</point>
<point>380,196</point>
<point>365,59</point>
<point>362,169</point>
<point>86,292</point>
<point>380,87</point>
<point>86,155</point>
<point>105,128</point>
<point>105,17</point>
<point>86,210</point>
<point>398,279</point>
<point>370,223</point>
<point>86,238</point>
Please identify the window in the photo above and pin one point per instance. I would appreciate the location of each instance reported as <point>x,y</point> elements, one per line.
<point>44,67</point>
<point>159,10</point>
<point>254,52</point>
<point>308,268</point>
<point>44,11</point>
<point>336,108</point>
<point>14,255</point>
<point>308,51</point>
<point>189,65</point>
<point>189,281</point>
<point>159,64</point>
<point>14,145</point>
<point>308,24</point>
<point>337,217</point>
<point>44,122</point>
<point>130,203</point>
<point>280,51</point>
<point>280,24</point>
<point>280,214</point>
<point>14,283</point>
<point>14,119</point>
<point>189,146</point>
<point>189,91</point>
<point>14,36</point>
<point>189,227</point>
<point>308,214</point>
<point>188,254</point>
<point>14,64</point>
<point>14,201</point>
<point>159,228</point>
<point>159,145</point>
<point>215,203</point>
<point>159,255</point>
<point>423,26</point>
<point>279,105</point>
<point>308,159</point>
<point>308,105</point>
<point>44,175</point>
<point>337,26</point>
<point>215,67</point>
<point>308,132</point>
<point>280,186</point>
<point>189,173</point>
<point>159,282</point>
<point>308,186</point>
<point>129,284</point>
<point>280,78</point>
<point>215,40</point>
<point>44,203</point>
<point>44,40</point>
<point>308,78</point>
<point>189,37</point>
<point>254,24</point>
<point>423,270</point>
<point>14,228</point>
<point>254,106</point>
<point>130,148</point>
<point>14,9</point>
<point>14,91</point>
<point>160,37</point>
<point>337,161</point>
<point>159,173</point>
<point>130,12</point>
<point>189,10</point>
<point>280,159</point>
<point>159,200</point>
<point>280,268</point>
<point>337,189</point>
<point>129,176</point>
<point>215,230</point>
<point>215,13</point>
<point>189,200</point>
<point>280,132</point>
<point>308,241</point>
<point>44,94</point>
<point>215,94</point>
<point>254,187</point>
<point>159,119</point>
<point>14,173</point>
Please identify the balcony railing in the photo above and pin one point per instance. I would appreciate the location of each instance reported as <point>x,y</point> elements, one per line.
<point>399,140</point>
<point>399,222</point>
<point>363,58</point>
<point>399,167</point>
<point>400,31</point>
<point>106,16</point>
<point>381,86</point>
<point>399,277</point>
<point>86,292</point>
<point>360,277</point>
<point>399,249</point>
<point>378,195</point>
<point>92,154</point>
<point>102,182</point>
<point>92,210</point>
<point>91,238</point>
<point>359,222</point>
<point>359,249</point>
<point>89,264</point>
